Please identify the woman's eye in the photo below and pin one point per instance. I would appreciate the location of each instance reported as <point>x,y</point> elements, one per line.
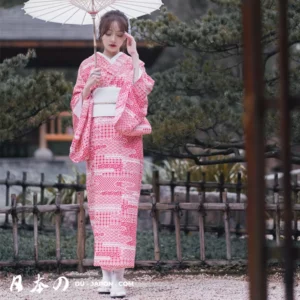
<point>118,35</point>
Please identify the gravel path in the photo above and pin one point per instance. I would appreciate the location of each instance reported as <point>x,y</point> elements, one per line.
<point>145,285</point>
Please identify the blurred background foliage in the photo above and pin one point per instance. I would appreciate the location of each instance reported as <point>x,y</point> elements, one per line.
<point>197,103</point>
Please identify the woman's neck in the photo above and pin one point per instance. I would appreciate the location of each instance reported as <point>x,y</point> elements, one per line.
<point>109,54</point>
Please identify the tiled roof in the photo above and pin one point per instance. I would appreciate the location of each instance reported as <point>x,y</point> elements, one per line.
<point>15,25</point>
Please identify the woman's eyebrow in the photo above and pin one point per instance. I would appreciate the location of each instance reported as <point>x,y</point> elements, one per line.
<point>116,31</point>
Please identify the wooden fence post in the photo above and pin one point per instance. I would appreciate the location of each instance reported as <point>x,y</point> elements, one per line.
<point>80,232</point>
<point>7,195</point>
<point>177,214</point>
<point>188,187</point>
<point>155,223</point>
<point>221,190</point>
<point>238,200</point>
<point>15,225</point>
<point>226,225</point>
<point>35,229</point>
<point>24,196</point>
<point>57,229</point>
<point>156,191</point>
<point>42,198</point>
<point>201,226</point>
<point>172,187</point>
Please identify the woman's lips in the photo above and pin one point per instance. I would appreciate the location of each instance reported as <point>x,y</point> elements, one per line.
<point>112,45</point>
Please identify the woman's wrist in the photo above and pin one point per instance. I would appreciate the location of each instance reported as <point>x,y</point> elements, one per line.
<point>135,55</point>
<point>135,63</point>
<point>86,91</point>
<point>135,58</point>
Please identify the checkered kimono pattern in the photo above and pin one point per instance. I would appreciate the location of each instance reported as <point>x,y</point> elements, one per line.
<point>113,150</point>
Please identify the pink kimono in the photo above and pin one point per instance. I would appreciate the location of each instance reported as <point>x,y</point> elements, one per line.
<point>112,147</point>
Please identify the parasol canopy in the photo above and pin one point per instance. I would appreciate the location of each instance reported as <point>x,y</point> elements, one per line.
<point>85,12</point>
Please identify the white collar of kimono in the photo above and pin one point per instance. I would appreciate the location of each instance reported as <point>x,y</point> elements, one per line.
<point>113,59</point>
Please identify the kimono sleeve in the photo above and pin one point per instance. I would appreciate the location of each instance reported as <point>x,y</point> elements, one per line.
<point>76,100</point>
<point>133,121</point>
<point>141,88</point>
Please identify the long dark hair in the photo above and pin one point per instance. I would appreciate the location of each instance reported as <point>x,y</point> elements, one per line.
<point>113,16</point>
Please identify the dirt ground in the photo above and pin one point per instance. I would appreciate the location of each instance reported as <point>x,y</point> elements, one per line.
<point>141,285</point>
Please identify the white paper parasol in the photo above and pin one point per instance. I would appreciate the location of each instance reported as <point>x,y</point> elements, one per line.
<point>84,12</point>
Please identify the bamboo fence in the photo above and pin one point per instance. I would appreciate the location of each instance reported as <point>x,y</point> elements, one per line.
<point>154,206</point>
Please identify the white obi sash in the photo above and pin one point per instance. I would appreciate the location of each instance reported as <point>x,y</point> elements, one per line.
<point>105,100</point>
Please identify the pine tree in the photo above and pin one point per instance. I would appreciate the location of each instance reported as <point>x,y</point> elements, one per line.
<point>196,107</point>
<point>28,98</point>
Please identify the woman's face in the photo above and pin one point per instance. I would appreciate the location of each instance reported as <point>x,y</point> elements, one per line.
<point>113,39</point>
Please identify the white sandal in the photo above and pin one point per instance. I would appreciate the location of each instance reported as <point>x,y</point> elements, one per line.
<point>117,289</point>
<point>105,284</point>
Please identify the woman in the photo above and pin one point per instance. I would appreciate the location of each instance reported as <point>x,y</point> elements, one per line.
<point>109,105</point>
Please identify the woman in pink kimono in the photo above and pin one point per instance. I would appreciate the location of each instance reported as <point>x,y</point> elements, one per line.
<point>109,106</point>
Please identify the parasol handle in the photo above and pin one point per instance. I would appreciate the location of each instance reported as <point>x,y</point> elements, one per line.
<point>95,43</point>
